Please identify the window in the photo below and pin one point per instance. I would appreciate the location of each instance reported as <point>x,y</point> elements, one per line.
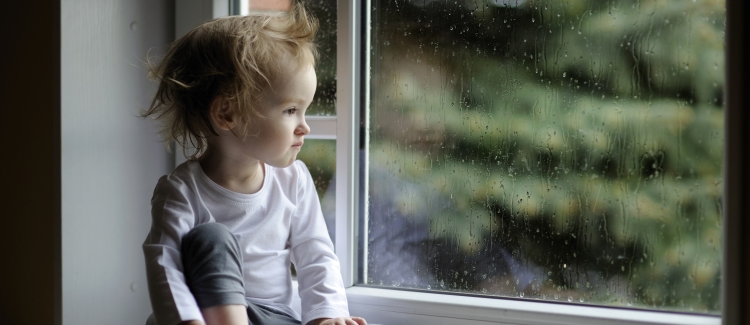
<point>543,151</point>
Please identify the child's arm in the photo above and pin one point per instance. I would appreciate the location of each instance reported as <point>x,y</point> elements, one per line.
<point>321,288</point>
<point>172,218</point>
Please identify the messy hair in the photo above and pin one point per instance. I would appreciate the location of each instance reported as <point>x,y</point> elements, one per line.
<point>235,57</point>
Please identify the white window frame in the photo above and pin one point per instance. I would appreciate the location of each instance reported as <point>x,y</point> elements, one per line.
<point>392,306</point>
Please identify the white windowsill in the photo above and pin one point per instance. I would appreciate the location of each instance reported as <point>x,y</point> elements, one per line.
<point>384,306</point>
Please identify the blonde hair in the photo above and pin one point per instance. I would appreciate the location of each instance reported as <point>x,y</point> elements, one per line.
<point>235,57</point>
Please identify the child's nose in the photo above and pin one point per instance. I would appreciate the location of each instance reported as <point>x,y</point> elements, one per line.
<point>303,128</point>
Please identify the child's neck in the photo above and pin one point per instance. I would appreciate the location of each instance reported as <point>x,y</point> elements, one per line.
<point>237,174</point>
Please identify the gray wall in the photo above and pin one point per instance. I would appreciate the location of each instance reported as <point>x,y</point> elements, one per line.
<point>110,159</point>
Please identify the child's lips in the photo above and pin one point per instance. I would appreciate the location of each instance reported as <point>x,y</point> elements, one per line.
<point>297,145</point>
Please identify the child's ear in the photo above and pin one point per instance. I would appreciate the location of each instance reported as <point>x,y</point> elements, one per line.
<point>221,113</point>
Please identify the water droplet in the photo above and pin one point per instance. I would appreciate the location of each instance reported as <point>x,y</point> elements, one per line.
<point>570,299</point>
<point>133,287</point>
<point>521,295</point>
<point>564,73</point>
<point>133,25</point>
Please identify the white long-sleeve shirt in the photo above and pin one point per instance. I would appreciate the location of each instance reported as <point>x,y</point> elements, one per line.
<point>279,224</point>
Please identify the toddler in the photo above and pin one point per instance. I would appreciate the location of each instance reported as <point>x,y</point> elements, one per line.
<point>228,222</point>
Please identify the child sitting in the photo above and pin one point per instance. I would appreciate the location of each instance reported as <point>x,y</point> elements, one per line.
<point>228,222</point>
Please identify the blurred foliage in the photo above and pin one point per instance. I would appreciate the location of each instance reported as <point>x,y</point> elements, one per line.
<point>320,158</point>
<point>325,12</point>
<point>583,136</point>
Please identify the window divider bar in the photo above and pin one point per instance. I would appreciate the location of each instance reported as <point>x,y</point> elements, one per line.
<point>347,136</point>
<point>365,161</point>
<point>321,127</point>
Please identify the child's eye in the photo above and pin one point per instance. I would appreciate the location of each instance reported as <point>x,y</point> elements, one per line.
<point>290,111</point>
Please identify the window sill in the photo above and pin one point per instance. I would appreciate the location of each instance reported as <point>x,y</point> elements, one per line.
<point>385,306</point>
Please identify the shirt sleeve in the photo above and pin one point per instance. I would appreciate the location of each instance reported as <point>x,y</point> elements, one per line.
<point>321,288</point>
<point>172,217</point>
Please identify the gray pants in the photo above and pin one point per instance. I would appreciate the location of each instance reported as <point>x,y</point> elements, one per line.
<point>212,263</point>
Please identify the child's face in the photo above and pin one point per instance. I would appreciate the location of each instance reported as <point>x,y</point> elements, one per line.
<point>277,138</point>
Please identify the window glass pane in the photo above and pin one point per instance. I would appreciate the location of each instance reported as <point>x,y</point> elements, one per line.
<point>324,11</point>
<point>558,150</point>
<point>320,158</point>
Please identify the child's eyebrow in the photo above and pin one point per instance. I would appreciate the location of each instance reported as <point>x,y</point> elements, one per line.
<point>293,101</point>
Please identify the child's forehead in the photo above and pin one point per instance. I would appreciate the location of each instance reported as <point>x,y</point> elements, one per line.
<point>296,74</point>
<point>296,85</point>
<point>289,68</point>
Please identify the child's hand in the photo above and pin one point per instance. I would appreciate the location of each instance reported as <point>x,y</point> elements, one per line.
<point>340,321</point>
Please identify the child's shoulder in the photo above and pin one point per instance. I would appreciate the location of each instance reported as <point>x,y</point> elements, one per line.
<point>178,180</point>
<point>184,172</point>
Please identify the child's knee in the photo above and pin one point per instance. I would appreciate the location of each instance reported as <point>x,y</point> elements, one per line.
<point>209,235</point>
<point>212,264</point>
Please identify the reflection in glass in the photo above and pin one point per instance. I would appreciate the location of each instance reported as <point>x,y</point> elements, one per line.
<point>558,150</point>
